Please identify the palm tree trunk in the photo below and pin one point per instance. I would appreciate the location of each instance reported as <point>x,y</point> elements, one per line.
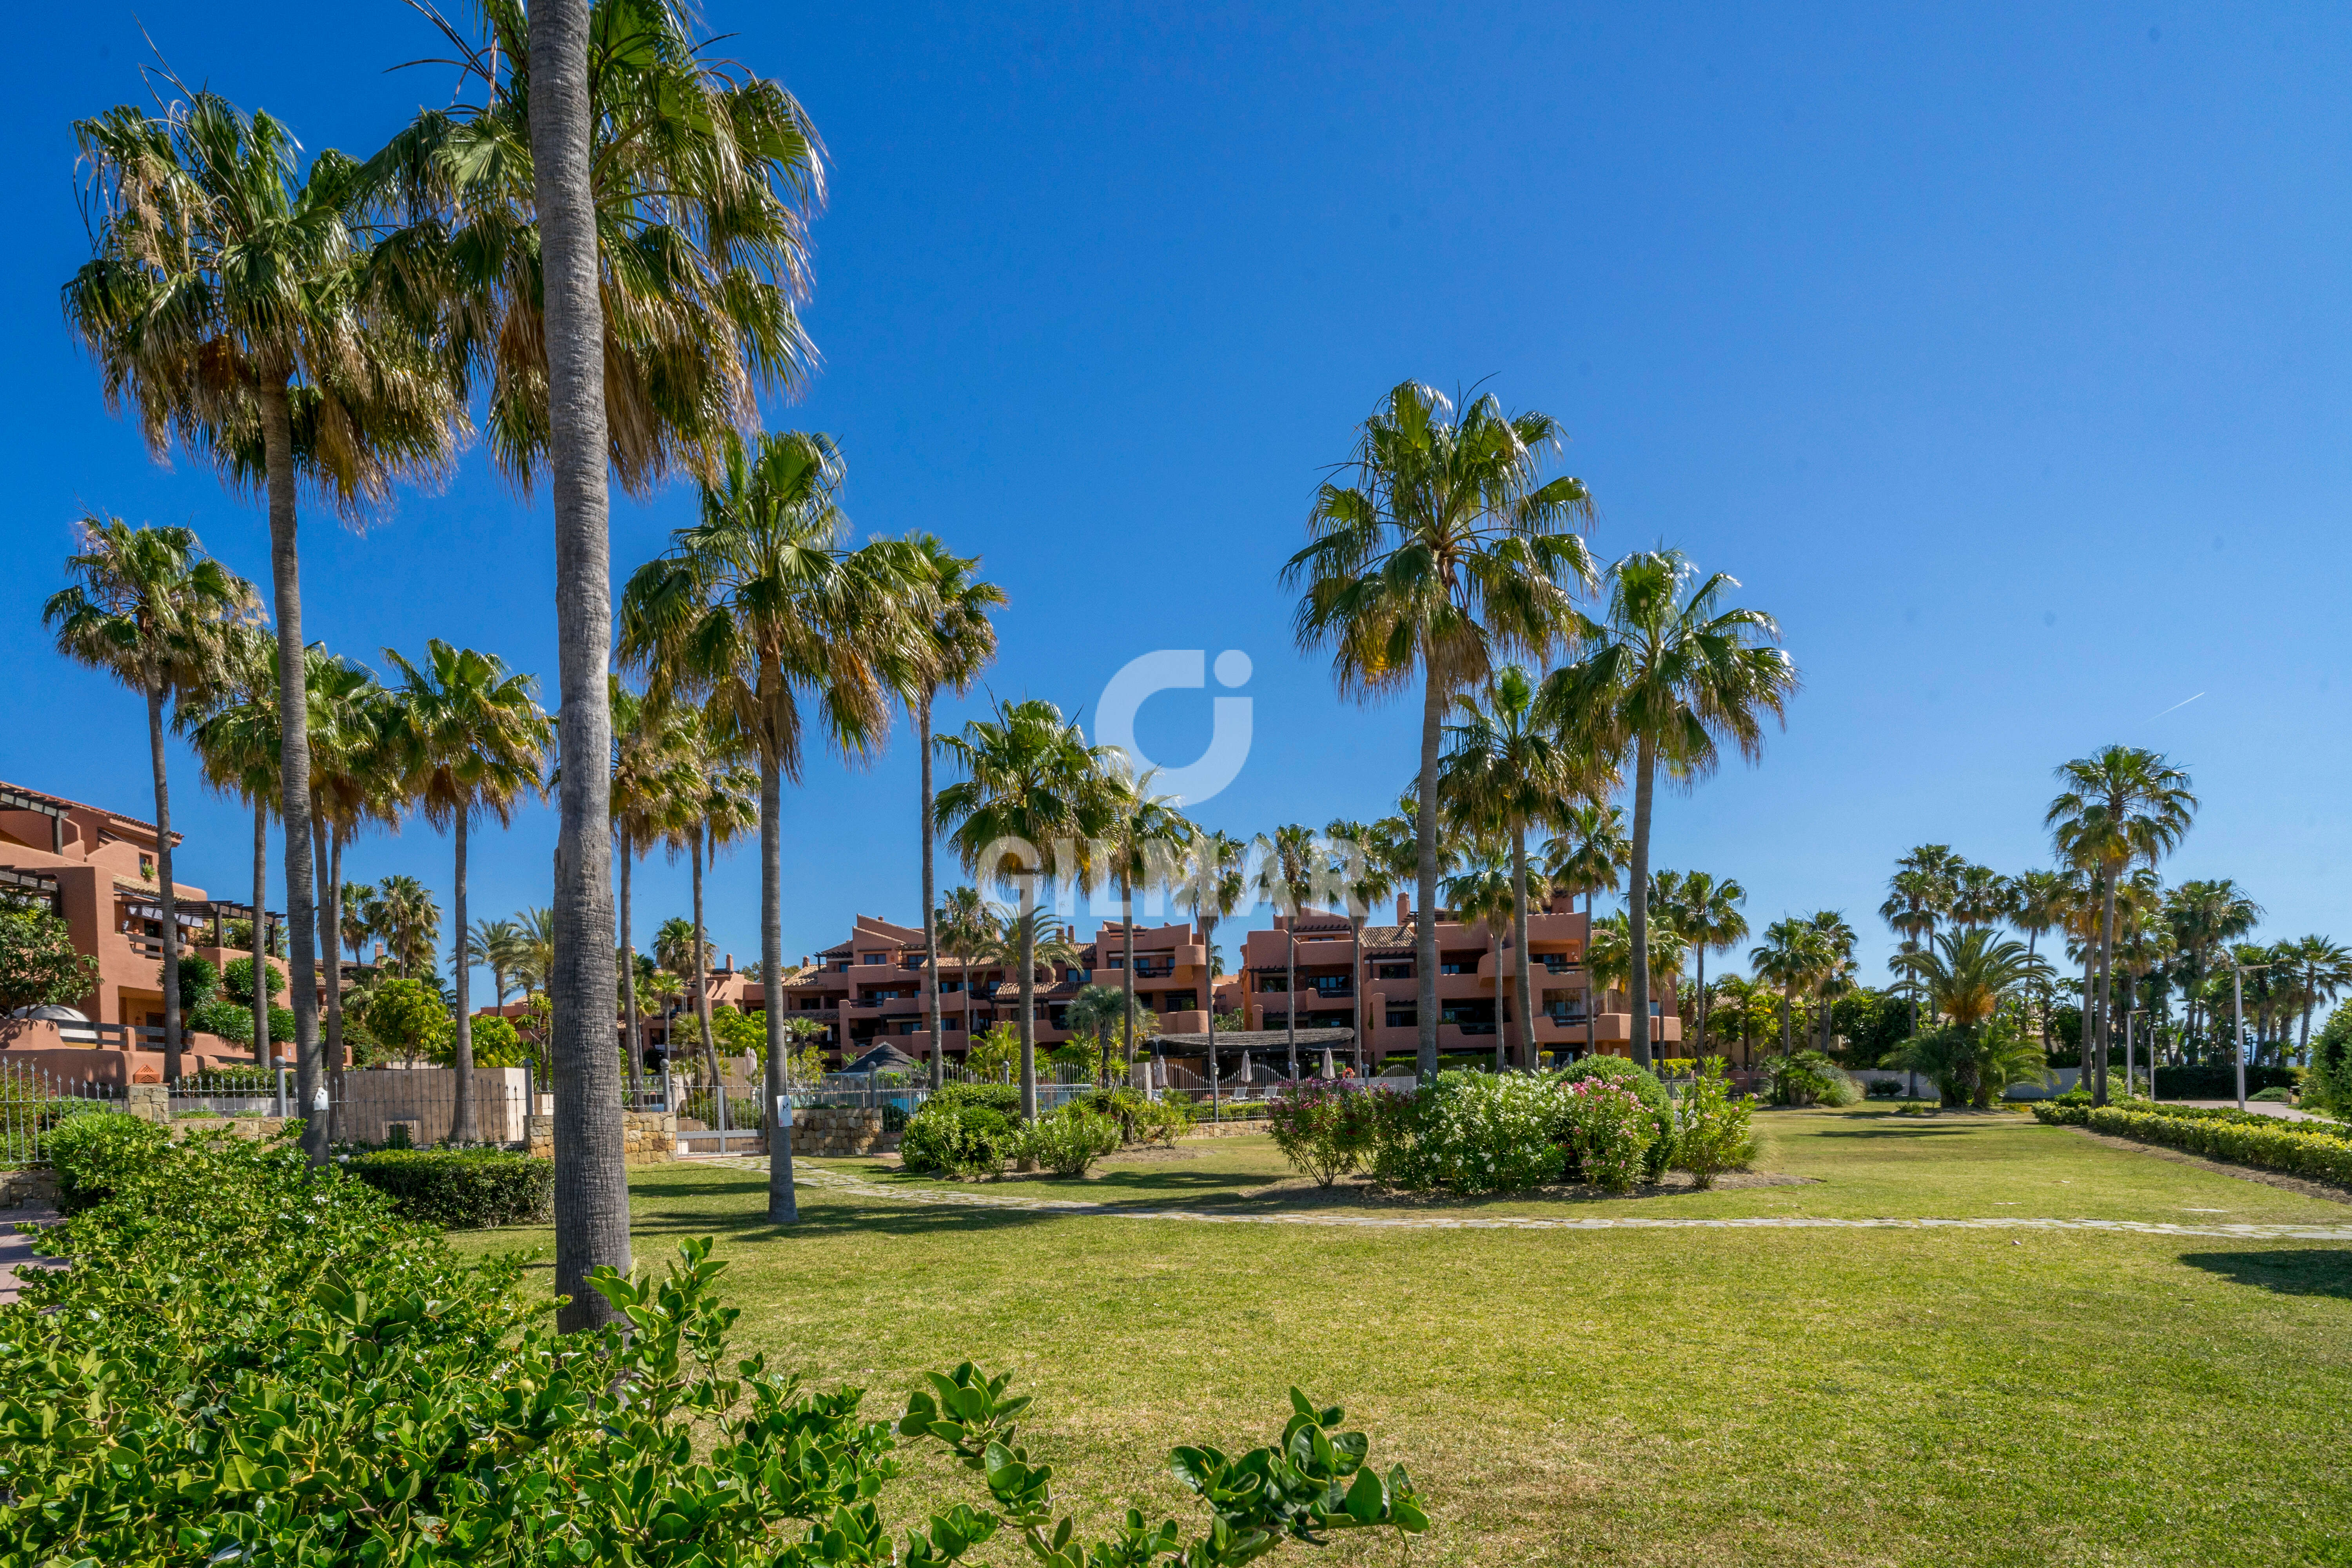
<point>591,1191</point>
<point>1355,985</point>
<point>1290,984</point>
<point>463,1124</point>
<point>1786,1041</point>
<point>1209,943</point>
<point>260,946</point>
<point>167,897</point>
<point>783,1205</point>
<point>702,972</point>
<point>293,718</point>
<point>1126,958</point>
<point>1526,1008</point>
<point>1637,900</point>
<point>1424,935</point>
<point>1027,944</point>
<point>2310,1001</point>
<point>931,894</point>
<point>1698,1050</point>
<point>632,1037</point>
<point>308,1075</point>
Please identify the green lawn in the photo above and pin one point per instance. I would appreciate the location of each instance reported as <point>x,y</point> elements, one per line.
<point>1634,1396</point>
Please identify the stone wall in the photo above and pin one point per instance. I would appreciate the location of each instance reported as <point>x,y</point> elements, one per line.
<point>832,1133</point>
<point>21,1189</point>
<point>647,1137</point>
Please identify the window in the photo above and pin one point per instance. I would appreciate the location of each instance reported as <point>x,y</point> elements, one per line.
<point>842,967</point>
<point>949,988</point>
<point>1455,967</point>
<point>147,867</point>
<point>906,1027</point>
<point>1395,971</point>
<point>1564,1006</point>
<point>1333,985</point>
<point>1404,1017</point>
<point>1058,1017</point>
<point>1273,983</point>
<point>1470,1017</point>
<point>1154,968</point>
<point>873,958</point>
<point>1180,1002</point>
<point>1556,962</point>
<point>951,1021</point>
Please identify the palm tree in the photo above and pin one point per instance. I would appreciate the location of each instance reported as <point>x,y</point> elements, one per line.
<point>2325,968</point>
<point>1367,861</point>
<point>497,946</point>
<point>1481,888</point>
<point>1708,917</point>
<point>535,966</point>
<point>148,607</point>
<point>236,734</point>
<point>353,782</point>
<point>1966,974</point>
<point>1911,910</point>
<point>1743,996</point>
<point>968,926</point>
<point>956,642</point>
<point>1033,943</point>
<point>1611,956</point>
<point>402,912</point>
<point>356,900</point>
<point>1215,883</point>
<point>719,804</point>
<point>1507,772</point>
<point>1288,864</point>
<point>1446,551</point>
<point>1671,675</point>
<point>1982,896</point>
<point>471,739</point>
<point>1095,1011</point>
<point>1832,974</point>
<point>2123,806</point>
<point>1590,852</point>
<point>2204,915</point>
<point>1786,958</point>
<point>1029,800</point>
<point>756,606</point>
<point>226,300</point>
<point>1143,834</point>
<point>2040,904</point>
<point>654,784</point>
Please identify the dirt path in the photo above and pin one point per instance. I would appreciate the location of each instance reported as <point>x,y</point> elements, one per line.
<point>834,1180</point>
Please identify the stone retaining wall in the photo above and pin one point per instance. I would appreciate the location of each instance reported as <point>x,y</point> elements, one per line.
<point>832,1134</point>
<point>21,1189</point>
<point>1243,1129</point>
<point>647,1137</point>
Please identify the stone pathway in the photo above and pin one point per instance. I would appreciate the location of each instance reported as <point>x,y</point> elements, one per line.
<point>834,1180</point>
<point>17,1247</point>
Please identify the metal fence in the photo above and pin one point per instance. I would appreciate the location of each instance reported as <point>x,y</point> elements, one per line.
<point>33,1102</point>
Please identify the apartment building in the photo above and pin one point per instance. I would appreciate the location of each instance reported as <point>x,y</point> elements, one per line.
<point>869,988</point>
<point>1475,986</point>
<point>96,870</point>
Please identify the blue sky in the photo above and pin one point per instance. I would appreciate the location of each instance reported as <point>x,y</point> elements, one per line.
<point>2000,353</point>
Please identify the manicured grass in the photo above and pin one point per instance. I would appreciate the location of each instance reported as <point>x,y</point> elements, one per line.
<point>1662,1396</point>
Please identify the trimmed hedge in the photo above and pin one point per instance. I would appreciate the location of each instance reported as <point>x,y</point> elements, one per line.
<point>2274,1144</point>
<point>96,1152</point>
<point>458,1189</point>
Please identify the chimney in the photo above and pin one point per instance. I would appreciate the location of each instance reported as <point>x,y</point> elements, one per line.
<point>1404,911</point>
<point>731,964</point>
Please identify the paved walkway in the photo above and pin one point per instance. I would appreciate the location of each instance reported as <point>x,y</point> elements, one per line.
<point>807,1174</point>
<point>16,1245</point>
<point>2260,1107</point>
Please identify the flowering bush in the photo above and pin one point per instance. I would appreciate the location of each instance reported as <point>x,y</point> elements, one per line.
<point>1474,1132</point>
<point>1324,1129</point>
<point>1610,1132</point>
<point>1643,1084</point>
<point>1068,1142</point>
<point>1711,1127</point>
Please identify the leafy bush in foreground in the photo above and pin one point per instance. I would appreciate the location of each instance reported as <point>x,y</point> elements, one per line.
<point>95,1154</point>
<point>461,1189</point>
<point>1645,1086</point>
<point>1068,1142</point>
<point>1712,1131</point>
<point>253,1360</point>
<point>1472,1132</point>
<point>951,1139</point>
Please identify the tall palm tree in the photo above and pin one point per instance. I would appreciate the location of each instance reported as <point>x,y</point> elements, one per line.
<point>1787,958</point>
<point>1506,770</point>
<point>754,608</point>
<point>472,739</point>
<point>1289,866</point>
<point>497,946</point>
<point>2121,806</point>
<point>236,734</point>
<point>654,782</point>
<point>1709,920</point>
<point>225,301</point>
<point>1368,860</point>
<point>1215,882</point>
<point>1482,889</point>
<point>2039,905</point>
<point>2324,968</point>
<point>1669,676</point>
<point>1029,800</point>
<point>535,968</point>
<point>1831,974</point>
<point>1143,835</point>
<point>1033,942</point>
<point>148,607</point>
<point>1590,852</point>
<point>356,900</point>
<point>1981,897</point>
<point>956,641</point>
<point>720,806</point>
<point>967,926</point>
<point>1913,898</point>
<point>1443,551</point>
<point>354,780</point>
<point>2204,915</point>
<point>402,912</point>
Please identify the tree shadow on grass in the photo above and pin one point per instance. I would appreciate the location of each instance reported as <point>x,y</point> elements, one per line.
<point>2290,1271</point>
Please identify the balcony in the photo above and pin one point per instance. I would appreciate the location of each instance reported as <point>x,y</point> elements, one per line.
<point>1617,1028</point>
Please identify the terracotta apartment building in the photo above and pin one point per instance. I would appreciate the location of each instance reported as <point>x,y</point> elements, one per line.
<point>1475,986</point>
<point>96,870</point>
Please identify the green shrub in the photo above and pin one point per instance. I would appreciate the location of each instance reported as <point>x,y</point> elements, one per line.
<point>1471,1132</point>
<point>96,1155</point>
<point>2214,1080</point>
<point>2274,1096</point>
<point>254,1361</point>
<point>1068,1142</point>
<point>236,981</point>
<point>1005,1098</point>
<point>1808,1078</point>
<point>949,1139</point>
<point>1124,1105</point>
<point>1883,1088</point>
<point>460,1189</point>
<point>1645,1084</point>
<point>2271,1144</point>
<point>1609,1131</point>
<point>1712,1132</point>
<point>1326,1130</point>
<point>1167,1119</point>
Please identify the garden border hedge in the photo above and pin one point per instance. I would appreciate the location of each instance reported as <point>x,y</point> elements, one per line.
<point>458,1189</point>
<point>2320,1155</point>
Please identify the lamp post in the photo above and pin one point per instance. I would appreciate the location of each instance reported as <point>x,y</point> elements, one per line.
<point>2237,1019</point>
